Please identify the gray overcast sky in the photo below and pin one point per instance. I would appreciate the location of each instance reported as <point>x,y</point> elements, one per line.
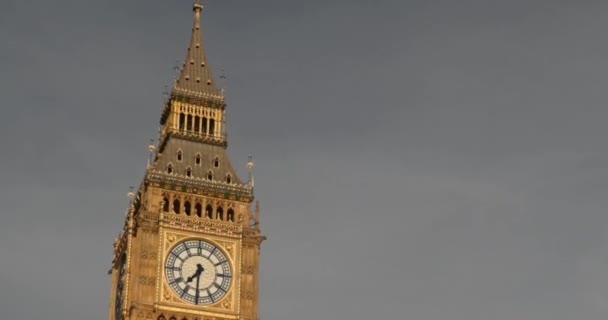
<point>415,159</point>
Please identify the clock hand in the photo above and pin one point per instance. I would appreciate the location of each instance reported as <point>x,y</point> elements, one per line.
<point>198,279</point>
<point>197,274</point>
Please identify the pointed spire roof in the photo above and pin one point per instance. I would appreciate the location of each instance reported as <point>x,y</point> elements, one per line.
<point>195,79</point>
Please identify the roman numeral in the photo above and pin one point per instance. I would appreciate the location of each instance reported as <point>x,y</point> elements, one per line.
<point>221,262</point>
<point>176,256</point>
<point>219,287</point>
<point>212,252</point>
<point>209,294</point>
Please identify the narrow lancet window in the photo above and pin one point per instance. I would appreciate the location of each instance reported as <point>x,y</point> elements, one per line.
<point>189,123</point>
<point>205,125</point>
<point>182,121</point>
<point>180,155</point>
<point>187,208</point>
<point>209,211</point>
<point>169,168</point>
<point>165,204</point>
<point>176,206</point>
<point>220,213</point>
<point>211,127</point>
<point>189,172</point>
<point>210,175</point>
<point>198,208</point>
<point>197,124</point>
<point>197,160</point>
<point>230,215</point>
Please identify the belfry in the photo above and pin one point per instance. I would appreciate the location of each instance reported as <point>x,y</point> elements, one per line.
<point>189,249</point>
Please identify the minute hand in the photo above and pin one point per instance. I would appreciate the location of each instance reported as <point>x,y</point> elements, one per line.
<point>197,274</point>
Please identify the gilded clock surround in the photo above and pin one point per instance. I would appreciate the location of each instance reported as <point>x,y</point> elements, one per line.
<point>231,248</point>
<point>190,191</point>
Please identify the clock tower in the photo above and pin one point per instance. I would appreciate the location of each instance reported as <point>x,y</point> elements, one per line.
<point>191,239</point>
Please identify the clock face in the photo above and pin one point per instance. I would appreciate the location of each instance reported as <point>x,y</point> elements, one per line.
<point>198,272</point>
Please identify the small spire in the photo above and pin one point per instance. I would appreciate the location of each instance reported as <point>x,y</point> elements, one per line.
<point>195,77</point>
<point>250,165</point>
<point>256,217</point>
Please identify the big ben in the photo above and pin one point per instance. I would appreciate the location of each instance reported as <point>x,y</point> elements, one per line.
<point>190,244</point>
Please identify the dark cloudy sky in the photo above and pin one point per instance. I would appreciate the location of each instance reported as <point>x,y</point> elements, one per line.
<point>416,159</point>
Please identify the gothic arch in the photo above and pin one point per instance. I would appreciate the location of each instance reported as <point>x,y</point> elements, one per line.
<point>220,213</point>
<point>176,206</point>
<point>187,208</point>
<point>182,121</point>
<point>209,211</point>
<point>230,215</point>
<point>166,204</point>
<point>198,208</point>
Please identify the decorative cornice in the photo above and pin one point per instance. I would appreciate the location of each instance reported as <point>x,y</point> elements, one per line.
<point>216,227</point>
<point>200,185</point>
<point>191,136</point>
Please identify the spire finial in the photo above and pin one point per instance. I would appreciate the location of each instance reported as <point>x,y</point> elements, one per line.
<point>195,78</point>
<point>198,5</point>
<point>250,165</point>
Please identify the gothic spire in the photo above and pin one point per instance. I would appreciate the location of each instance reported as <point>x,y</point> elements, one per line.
<point>195,78</point>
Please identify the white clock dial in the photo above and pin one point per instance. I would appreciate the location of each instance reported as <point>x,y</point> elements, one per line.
<point>198,272</point>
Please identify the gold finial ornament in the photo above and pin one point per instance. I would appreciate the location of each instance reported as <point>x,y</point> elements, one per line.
<point>250,165</point>
<point>198,5</point>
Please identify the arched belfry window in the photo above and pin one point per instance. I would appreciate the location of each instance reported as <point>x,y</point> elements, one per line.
<point>209,211</point>
<point>220,213</point>
<point>165,204</point>
<point>182,121</point>
<point>169,168</point>
<point>205,124</point>
<point>197,124</point>
<point>198,208</point>
<point>180,155</point>
<point>230,215</point>
<point>176,206</point>
<point>189,123</point>
<point>187,208</point>
<point>211,126</point>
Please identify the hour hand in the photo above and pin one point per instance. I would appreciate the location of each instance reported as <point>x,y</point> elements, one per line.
<point>199,270</point>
